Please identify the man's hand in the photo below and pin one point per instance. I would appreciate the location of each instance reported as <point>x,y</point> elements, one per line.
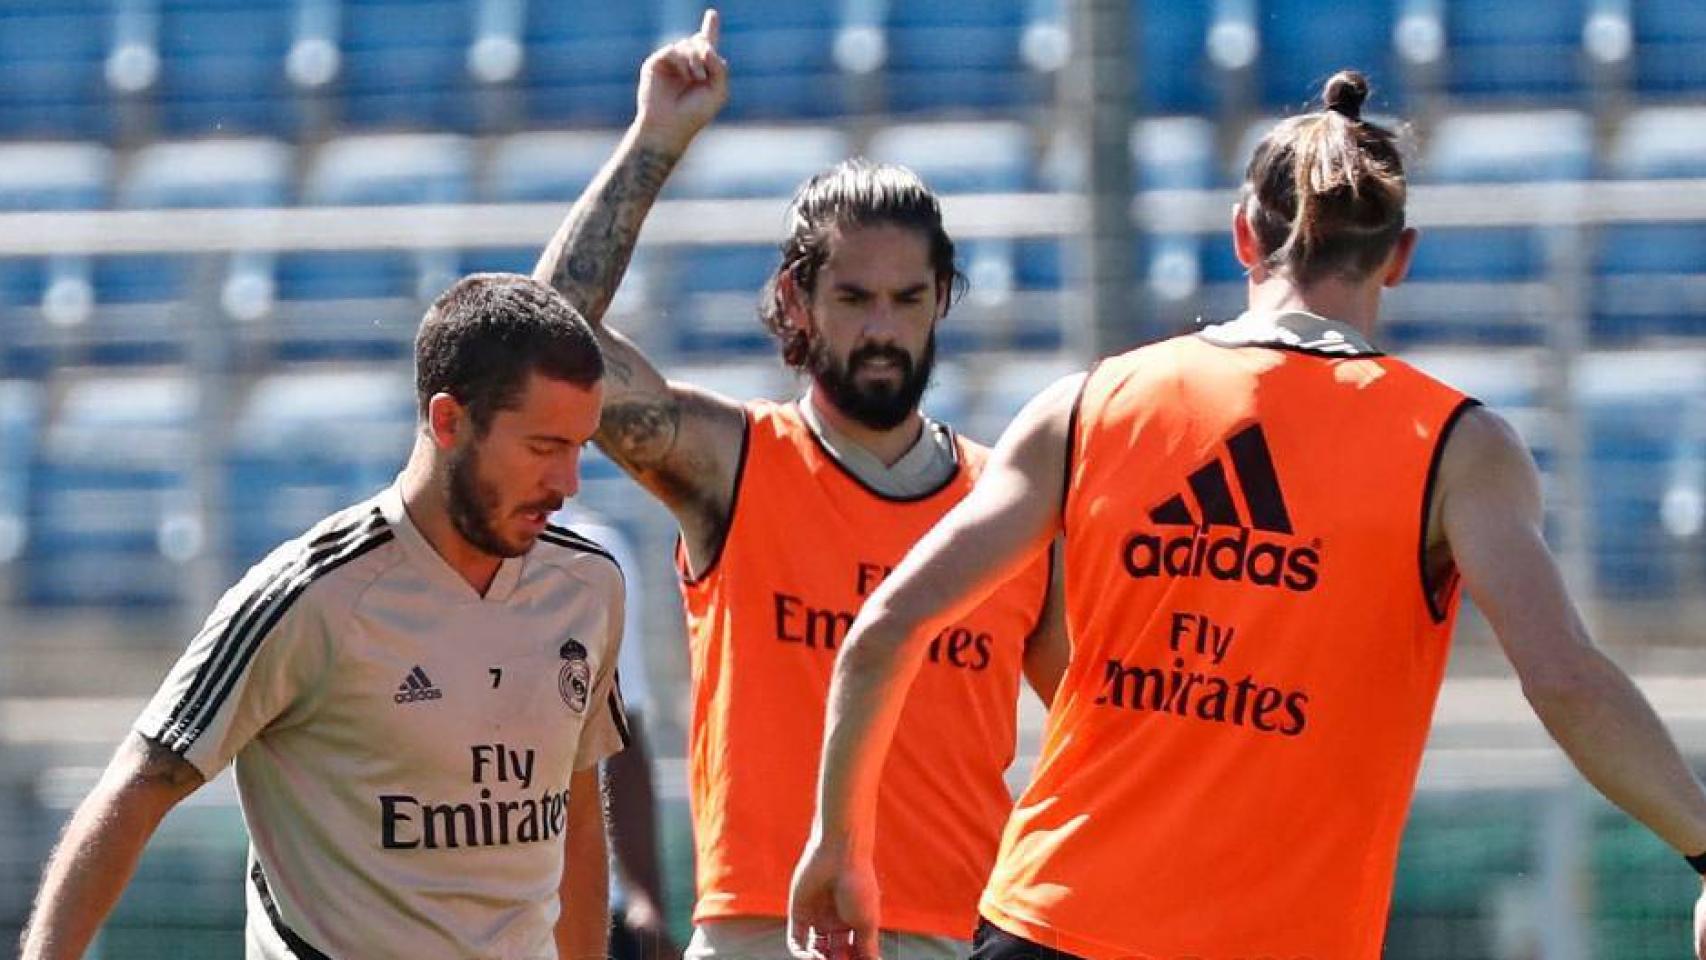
<point>682,86</point>
<point>646,924</point>
<point>833,907</point>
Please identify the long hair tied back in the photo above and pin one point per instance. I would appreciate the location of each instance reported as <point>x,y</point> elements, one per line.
<point>1325,191</point>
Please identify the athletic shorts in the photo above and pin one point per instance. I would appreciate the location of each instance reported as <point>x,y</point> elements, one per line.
<point>766,938</point>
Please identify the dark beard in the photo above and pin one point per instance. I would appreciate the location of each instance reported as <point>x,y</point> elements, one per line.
<point>878,406</point>
<point>472,504</point>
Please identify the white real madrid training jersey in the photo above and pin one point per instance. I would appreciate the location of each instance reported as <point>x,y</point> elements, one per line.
<point>403,746</point>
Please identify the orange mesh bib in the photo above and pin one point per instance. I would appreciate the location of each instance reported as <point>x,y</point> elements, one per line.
<point>806,544</point>
<point>1230,759</point>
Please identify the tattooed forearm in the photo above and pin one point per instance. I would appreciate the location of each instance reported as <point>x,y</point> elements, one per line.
<point>587,258</point>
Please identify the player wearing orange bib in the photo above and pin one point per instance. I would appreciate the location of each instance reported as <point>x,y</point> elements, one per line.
<point>1265,528</point>
<point>790,517</point>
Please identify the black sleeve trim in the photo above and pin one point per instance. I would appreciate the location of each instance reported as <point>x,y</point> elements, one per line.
<point>1430,590</point>
<point>687,575</point>
<point>569,539</point>
<point>1072,441</point>
<point>298,947</point>
<point>619,719</point>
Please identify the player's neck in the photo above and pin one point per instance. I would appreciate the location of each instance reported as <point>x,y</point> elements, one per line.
<point>1354,304</point>
<point>887,446</point>
<point>423,496</point>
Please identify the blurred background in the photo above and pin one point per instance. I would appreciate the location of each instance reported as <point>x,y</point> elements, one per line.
<point>220,221</point>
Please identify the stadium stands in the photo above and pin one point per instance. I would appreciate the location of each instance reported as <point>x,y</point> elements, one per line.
<point>113,512</point>
<point>307,442</point>
<point>955,86</point>
<point>955,54</point>
<point>136,105</point>
<point>1496,50</point>
<point>1652,276</point>
<point>581,60</point>
<point>1669,48</point>
<point>20,421</point>
<point>222,67</point>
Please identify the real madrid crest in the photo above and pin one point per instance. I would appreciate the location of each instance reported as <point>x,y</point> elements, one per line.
<point>574,680</point>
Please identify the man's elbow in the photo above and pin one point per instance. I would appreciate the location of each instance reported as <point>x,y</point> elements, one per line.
<point>1569,685</point>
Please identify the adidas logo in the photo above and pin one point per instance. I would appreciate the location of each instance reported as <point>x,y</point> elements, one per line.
<point>417,686</point>
<point>1240,556</point>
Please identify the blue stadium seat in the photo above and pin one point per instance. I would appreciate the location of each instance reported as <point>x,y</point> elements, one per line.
<point>1496,49</point>
<point>222,66</point>
<point>1635,405</point>
<point>208,173</point>
<point>1476,275</point>
<point>1302,46</point>
<point>783,56</point>
<point>583,59</point>
<point>717,289</point>
<point>1000,398</point>
<point>1651,277</point>
<point>51,69</point>
<point>1168,153</point>
<point>54,176</point>
<point>400,168</point>
<point>1651,282</point>
<point>113,514</point>
<point>736,162</point>
<point>406,63</point>
<point>348,305</point>
<point>363,304</point>
<point>956,54</point>
<point>1170,47</point>
<point>44,176</point>
<point>499,260</point>
<point>20,426</point>
<point>967,157</point>
<point>308,442</point>
<point>551,166</point>
<point>1659,142</point>
<point>1509,147</point>
<point>1670,47</point>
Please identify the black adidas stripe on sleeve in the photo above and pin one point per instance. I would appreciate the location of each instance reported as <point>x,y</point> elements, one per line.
<point>255,619</point>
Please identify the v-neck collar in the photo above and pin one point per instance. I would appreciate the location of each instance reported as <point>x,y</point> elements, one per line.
<point>433,565</point>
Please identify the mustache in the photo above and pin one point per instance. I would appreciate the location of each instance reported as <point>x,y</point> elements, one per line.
<point>867,354</point>
<point>548,506</point>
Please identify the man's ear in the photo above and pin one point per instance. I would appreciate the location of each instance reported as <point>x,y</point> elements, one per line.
<point>447,418</point>
<point>796,302</point>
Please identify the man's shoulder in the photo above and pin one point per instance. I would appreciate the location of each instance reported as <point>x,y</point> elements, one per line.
<point>346,548</point>
<point>569,549</point>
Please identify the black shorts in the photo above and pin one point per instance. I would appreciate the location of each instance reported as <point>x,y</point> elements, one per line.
<point>993,943</point>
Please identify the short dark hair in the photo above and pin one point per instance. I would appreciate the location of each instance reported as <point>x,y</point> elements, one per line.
<point>853,193</point>
<point>1325,191</point>
<point>481,339</point>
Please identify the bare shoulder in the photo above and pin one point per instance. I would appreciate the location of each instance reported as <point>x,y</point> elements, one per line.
<point>1482,447</point>
<point>1486,478</point>
<point>1050,412</point>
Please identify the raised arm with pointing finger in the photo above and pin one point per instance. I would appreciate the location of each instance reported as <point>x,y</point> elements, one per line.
<point>793,513</point>
<point>680,443</point>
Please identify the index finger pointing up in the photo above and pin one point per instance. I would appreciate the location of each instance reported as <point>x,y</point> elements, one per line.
<point>711,26</point>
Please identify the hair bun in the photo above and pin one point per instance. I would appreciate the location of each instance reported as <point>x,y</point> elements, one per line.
<point>1345,94</point>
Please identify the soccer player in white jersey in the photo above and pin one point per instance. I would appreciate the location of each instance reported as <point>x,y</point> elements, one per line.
<point>416,693</point>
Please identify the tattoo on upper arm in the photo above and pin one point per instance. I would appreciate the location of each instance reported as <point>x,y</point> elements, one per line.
<point>599,241</point>
<point>157,764</point>
<point>639,434</point>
